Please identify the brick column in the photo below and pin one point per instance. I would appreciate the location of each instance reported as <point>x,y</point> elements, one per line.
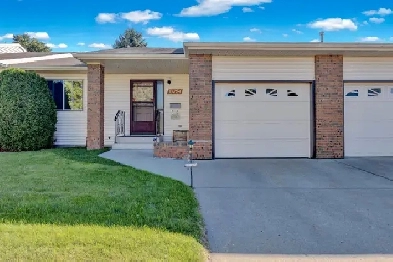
<point>329,100</point>
<point>95,106</point>
<point>201,108</point>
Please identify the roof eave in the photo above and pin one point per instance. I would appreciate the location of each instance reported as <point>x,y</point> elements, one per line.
<point>316,47</point>
<point>97,56</point>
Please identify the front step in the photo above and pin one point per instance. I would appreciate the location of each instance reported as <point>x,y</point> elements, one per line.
<point>134,142</point>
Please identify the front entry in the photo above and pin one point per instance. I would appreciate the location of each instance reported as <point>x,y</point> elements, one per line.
<point>143,107</point>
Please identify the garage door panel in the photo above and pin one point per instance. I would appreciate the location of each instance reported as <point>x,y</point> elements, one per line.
<point>261,148</point>
<point>258,130</point>
<point>368,118</point>
<point>280,111</point>
<point>268,120</point>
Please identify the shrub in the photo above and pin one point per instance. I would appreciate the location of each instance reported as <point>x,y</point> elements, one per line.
<point>27,111</point>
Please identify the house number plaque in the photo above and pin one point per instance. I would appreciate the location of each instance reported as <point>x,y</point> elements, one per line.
<point>175,91</point>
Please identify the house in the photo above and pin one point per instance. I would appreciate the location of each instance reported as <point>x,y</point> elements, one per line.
<point>235,100</point>
<point>11,48</point>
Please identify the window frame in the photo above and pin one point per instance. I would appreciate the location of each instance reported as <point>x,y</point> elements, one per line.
<point>64,96</point>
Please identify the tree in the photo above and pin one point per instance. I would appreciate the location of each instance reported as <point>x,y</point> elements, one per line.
<point>28,113</point>
<point>31,44</point>
<point>130,38</point>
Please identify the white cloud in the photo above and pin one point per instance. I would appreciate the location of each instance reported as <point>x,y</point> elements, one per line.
<point>377,20</point>
<point>391,39</point>
<point>81,44</point>
<point>381,11</point>
<point>216,7</point>
<point>297,31</point>
<point>99,45</point>
<point>247,10</point>
<point>334,24</point>
<point>170,33</point>
<point>62,45</point>
<point>261,7</point>
<point>141,16</point>
<point>285,35</point>
<point>6,36</point>
<point>257,30</point>
<point>38,35</point>
<point>370,39</point>
<point>365,22</point>
<point>248,39</point>
<point>103,18</point>
<point>315,41</point>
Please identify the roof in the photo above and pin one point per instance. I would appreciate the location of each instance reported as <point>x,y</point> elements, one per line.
<point>11,48</point>
<point>33,60</point>
<point>288,48</point>
<point>140,50</point>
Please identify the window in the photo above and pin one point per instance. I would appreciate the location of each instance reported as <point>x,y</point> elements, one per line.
<point>231,93</point>
<point>271,92</point>
<point>250,91</point>
<point>374,91</point>
<point>291,93</point>
<point>353,93</point>
<point>67,94</point>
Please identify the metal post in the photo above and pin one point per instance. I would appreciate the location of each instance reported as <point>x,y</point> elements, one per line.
<point>190,164</point>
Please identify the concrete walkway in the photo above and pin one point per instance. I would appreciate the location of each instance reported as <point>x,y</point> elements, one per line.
<point>144,160</point>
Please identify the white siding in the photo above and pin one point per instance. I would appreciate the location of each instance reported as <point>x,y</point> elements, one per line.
<point>368,68</point>
<point>263,68</point>
<point>117,97</point>
<point>71,125</point>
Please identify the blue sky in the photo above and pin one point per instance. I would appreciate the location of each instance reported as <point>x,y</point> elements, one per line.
<point>87,25</point>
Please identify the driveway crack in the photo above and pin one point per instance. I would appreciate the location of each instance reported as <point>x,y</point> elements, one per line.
<point>366,171</point>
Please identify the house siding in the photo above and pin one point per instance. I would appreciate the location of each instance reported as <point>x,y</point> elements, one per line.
<point>71,125</point>
<point>368,68</point>
<point>263,68</point>
<point>329,99</point>
<point>117,97</point>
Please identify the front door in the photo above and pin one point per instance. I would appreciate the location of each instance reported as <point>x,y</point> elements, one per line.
<point>143,107</point>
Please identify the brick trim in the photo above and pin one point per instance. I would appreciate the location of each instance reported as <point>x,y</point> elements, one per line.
<point>201,105</point>
<point>329,104</point>
<point>95,106</point>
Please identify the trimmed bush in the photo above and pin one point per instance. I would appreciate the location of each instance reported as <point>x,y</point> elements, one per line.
<point>27,111</point>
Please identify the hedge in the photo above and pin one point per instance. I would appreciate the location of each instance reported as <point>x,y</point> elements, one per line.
<point>27,111</point>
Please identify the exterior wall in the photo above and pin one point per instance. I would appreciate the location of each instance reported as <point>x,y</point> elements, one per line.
<point>329,101</point>
<point>368,68</point>
<point>201,106</point>
<point>71,125</point>
<point>117,97</point>
<point>95,106</point>
<point>263,68</point>
<point>177,150</point>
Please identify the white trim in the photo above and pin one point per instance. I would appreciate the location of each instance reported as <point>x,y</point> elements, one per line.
<point>53,68</point>
<point>85,56</point>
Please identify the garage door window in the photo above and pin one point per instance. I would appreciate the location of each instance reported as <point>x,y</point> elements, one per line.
<point>353,93</point>
<point>291,93</point>
<point>271,92</point>
<point>374,91</point>
<point>231,93</point>
<point>250,91</point>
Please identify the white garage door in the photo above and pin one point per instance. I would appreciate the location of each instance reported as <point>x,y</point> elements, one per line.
<point>262,120</point>
<point>368,118</point>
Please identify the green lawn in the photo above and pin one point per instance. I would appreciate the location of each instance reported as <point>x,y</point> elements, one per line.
<point>70,204</point>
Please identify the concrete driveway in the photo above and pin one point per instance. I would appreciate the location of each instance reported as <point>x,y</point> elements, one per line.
<point>297,206</point>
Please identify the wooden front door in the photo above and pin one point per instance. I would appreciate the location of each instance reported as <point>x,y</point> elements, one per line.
<point>143,107</point>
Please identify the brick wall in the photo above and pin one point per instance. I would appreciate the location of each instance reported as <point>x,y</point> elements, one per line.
<point>201,107</point>
<point>95,106</point>
<point>178,150</point>
<point>329,100</point>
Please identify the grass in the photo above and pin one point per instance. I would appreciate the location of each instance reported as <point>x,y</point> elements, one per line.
<point>70,204</point>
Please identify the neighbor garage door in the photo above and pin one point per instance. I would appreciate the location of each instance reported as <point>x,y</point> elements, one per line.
<point>262,120</point>
<point>368,118</point>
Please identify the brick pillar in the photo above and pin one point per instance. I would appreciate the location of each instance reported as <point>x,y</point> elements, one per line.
<point>329,100</point>
<point>201,108</point>
<point>95,106</point>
